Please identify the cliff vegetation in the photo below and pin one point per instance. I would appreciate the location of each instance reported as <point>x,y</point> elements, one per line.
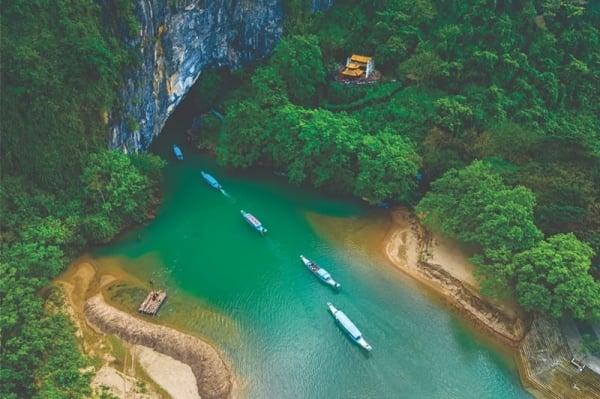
<point>61,189</point>
<point>486,121</point>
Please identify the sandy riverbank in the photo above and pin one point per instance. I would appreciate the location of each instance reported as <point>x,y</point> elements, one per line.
<point>438,263</point>
<point>153,361</point>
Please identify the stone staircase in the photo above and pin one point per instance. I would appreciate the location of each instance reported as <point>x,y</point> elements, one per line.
<point>546,363</point>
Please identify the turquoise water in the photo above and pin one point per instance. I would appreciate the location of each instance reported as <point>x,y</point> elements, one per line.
<point>252,297</point>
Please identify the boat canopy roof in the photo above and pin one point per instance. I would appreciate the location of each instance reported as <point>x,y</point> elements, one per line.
<point>348,325</point>
<point>252,219</point>
<point>324,274</point>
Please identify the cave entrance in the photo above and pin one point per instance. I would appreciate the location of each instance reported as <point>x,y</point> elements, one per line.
<point>195,123</point>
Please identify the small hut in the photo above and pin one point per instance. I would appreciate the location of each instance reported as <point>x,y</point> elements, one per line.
<point>358,66</point>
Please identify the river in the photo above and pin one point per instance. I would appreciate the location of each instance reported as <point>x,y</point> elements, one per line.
<point>256,302</point>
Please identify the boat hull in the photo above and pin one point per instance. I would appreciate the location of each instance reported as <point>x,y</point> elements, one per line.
<point>252,221</point>
<point>211,180</point>
<point>348,326</point>
<point>178,153</point>
<point>318,271</point>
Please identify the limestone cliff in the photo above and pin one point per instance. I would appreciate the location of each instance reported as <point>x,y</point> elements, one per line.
<point>176,40</point>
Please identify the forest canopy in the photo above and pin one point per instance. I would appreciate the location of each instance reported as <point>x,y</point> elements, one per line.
<point>485,120</point>
<point>62,190</point>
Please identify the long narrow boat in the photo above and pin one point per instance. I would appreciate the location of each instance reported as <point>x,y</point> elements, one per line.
<point>348,327</point>
<point>211,180</point>
<point>318,271</point>
<point>252,221</point>
<point>178,153</point>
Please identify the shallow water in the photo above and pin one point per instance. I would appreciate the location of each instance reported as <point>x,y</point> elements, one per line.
<point>253,298</point>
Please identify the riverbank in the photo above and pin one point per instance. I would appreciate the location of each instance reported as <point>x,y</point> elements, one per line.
<point>147,360</point>
<point>437,263</point>
<point>543,355</point>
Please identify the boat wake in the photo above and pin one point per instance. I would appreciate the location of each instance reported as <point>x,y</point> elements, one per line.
<point>225,193</point>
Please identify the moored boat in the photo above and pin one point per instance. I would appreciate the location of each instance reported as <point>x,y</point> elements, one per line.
<point>178,153</point>
<point>348,327</point>
<point>252,221</point>
<point>211,180</point>
<point>318,271</point>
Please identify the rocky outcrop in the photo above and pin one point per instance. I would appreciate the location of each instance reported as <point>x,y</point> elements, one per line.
<point>213,377</point>
<point>176,40</point>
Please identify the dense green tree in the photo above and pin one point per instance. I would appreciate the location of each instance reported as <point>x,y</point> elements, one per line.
<point>508,141</point>
<point>424,67</point>
<point>244,135</point>
<point>299,63</point>
<point>54,59</point>
<point>552,278</point>
<point>116,193</point>
<point>453,114</point>
<point>474,205</point>
<point>115,186</point>
<point>564,192</point>
<point>507,221</point>
<point>318,146</point>
<point>456,200</point>
<point>388,165</point>
<point>330,143</point>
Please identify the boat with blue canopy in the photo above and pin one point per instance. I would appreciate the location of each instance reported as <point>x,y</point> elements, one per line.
<point>178,153</point>
<point>348,327</point>
<point>318,271</point>
<point>211,180</point>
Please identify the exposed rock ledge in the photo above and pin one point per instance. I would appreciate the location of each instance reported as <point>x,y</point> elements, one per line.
<point>213,378</point>
<point>405,246</point>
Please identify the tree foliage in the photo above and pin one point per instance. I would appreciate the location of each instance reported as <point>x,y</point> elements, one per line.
<point>299,63</point>
<point>553,278</point>
<point>59,74</point>
<point>388,166</point>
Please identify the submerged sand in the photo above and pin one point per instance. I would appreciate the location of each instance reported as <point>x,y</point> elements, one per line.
<point>183,366</point>
<point>438,263</point>
<point>175,364</point>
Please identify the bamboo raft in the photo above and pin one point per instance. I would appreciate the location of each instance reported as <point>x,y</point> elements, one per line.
<point>152,303</point>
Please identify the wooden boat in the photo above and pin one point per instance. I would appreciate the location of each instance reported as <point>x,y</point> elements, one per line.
<point>211,180</point>
<point>318,271</point>
<point>348,327</point>
<point>252,221</point>
<point>178,153</point>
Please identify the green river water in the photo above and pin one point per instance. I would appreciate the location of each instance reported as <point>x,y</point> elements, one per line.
<point>256,302</point>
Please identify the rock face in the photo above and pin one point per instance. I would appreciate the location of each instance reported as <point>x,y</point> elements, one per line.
<point>177,39</point>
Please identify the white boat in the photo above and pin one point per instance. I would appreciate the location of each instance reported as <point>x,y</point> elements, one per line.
<point>254,222</point>
<point>211,180</point>
<point>178,153</point>
<point>318,271</point>
<point>348,327</point>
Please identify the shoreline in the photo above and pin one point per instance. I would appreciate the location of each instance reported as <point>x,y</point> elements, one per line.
<point>411,250</point>
<point>172,362</point>
<point>541,351</point>
<point>177,369</point>
<point>212,376</point>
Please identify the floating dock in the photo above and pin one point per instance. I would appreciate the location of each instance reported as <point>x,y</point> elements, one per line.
<point>152,302</point>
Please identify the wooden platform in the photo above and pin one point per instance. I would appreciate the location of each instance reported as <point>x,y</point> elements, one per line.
<point>152,303</point>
